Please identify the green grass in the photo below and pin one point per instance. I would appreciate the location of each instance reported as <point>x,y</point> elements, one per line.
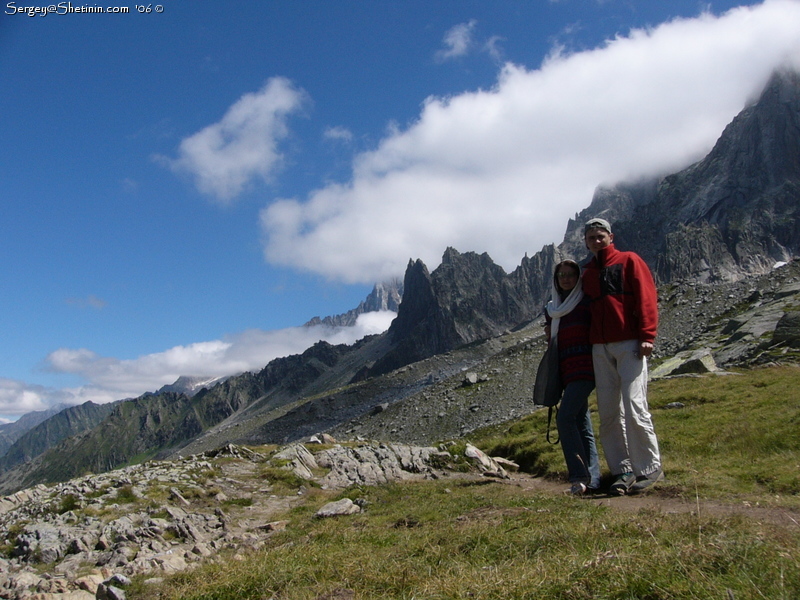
<point>736,442</point>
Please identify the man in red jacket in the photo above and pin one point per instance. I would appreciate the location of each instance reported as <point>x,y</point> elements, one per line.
<point>624,322</point>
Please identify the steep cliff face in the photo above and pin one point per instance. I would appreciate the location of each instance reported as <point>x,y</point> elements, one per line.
<point>466,298</point>
<point>734,213</point>
<point>743,200</point>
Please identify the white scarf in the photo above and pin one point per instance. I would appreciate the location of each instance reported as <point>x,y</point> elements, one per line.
<point>557,308</point>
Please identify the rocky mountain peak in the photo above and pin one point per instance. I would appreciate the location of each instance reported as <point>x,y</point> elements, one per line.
<point>732,214</point>
<point>466,298</point>
<point>190,385</point>
<point>385,295</point>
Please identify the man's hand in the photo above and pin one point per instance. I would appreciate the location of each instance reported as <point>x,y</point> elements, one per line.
<point>645,349</point>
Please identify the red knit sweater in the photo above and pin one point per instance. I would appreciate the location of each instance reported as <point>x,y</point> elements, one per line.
<point>574,348</point>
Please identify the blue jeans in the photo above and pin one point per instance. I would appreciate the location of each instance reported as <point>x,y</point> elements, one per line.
<point>577,436</point>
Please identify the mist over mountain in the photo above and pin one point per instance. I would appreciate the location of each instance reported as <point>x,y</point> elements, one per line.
<point>734,213</point>
<point>711,233</point>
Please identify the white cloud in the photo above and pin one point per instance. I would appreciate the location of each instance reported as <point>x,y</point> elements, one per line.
<point>457,41</point>
<point>17,397</point>
<point>225,157</point>
<point>338,133</point>
<point>110,379</point>
<point>502,170</point>
<point>492,47</point>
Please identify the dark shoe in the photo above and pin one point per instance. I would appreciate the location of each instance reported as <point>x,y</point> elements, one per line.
<point>578,489</point>
<point>645,481</point>
<point>622,484</point>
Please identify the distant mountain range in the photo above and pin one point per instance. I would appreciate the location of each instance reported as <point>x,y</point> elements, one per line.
<point>722,223</point>
<point>11,432</point>
<point>384,296</point>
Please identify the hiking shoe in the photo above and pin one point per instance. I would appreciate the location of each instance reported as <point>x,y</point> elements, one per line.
<point>578,489</point>
<point>622,484</point>
<point>645,481</point>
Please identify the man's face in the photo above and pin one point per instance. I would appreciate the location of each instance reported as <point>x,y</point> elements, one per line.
<point>597,239</point>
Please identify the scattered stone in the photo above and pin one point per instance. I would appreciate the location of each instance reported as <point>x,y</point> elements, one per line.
<point>509,465</point>
<point>109,592</point>
<point>693,361</point>
<point>470,379</point>
<point>342,507</point>
<point>89,583</point>
<point>674,405</point>
<point>176,495</point>
<point>275,526</point>
<point>300,461</point>
<point>487,465</point>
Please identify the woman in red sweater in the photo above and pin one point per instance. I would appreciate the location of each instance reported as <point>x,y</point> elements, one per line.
<point>568,324</point>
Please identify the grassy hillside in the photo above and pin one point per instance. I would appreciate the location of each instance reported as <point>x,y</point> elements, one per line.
<point>735,443</point>
<point>736,436</point>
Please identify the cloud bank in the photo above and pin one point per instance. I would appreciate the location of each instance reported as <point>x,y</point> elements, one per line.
<point>112,379</point>
<point>502,170</point>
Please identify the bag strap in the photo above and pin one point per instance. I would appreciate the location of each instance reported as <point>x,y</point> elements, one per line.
<point>549,420</point>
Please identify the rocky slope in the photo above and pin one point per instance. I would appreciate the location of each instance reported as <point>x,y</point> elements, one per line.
<point>154,426</point>
<point>85,538</point>
<point>57,427</point>
<point>11,432</point>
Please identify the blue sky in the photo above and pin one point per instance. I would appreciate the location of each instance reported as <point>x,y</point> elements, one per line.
<point>182,190</point>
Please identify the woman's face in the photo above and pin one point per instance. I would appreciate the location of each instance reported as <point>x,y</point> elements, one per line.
<point>567,277</point>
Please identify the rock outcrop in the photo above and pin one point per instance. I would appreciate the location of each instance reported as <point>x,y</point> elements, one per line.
<point>466,298</point>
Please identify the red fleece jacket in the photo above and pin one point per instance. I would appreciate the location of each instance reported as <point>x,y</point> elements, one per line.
<point>624,300</point>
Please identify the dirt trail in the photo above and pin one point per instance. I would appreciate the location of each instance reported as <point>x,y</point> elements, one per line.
<point>661,500</point>
<point>240,479</point>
